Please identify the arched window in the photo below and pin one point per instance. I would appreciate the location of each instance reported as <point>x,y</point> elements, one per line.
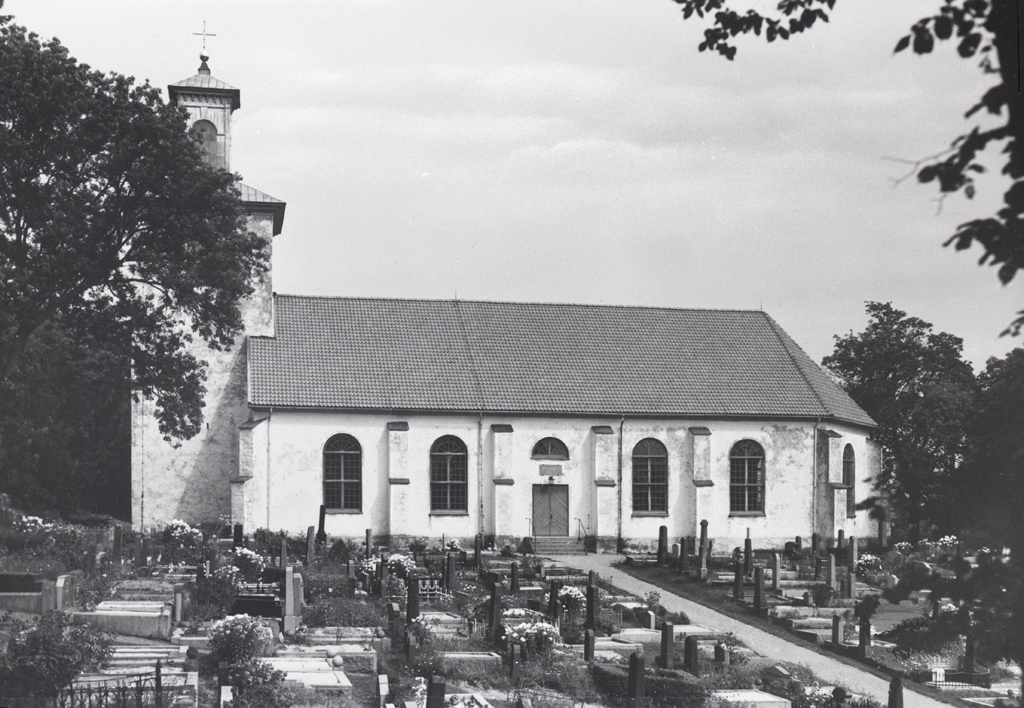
<point>343,474</point>
<point>550,449</point>
<point>213,149</point>
<point>449,479</point>
<point>849,478</point>
<point>746,478</point>
<point>650,476</point>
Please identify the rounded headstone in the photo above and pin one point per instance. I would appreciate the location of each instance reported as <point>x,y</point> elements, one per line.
<point>338,661</point>
<point>333,652</point>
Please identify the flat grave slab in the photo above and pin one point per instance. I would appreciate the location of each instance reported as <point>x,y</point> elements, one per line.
<point>355,658</point>
<point>483,659</point>
<point>747,699</point>
<point>604,644</point>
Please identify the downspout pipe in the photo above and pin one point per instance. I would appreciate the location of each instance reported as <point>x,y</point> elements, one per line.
<point>814,479</point>
<point>270,414</point>
<point>622,423</point>
<point>480,472</point>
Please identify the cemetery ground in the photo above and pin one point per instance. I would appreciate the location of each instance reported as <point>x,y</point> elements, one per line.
<point>194,617</point>
<point>837,598</point>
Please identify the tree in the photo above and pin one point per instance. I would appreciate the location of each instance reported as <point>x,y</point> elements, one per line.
<point>981,28</point>
<point>920,391</point>
<point>65,436</point>
<point>107,209</point>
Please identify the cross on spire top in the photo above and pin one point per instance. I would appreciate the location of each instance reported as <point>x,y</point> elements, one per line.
<point>204,34</point>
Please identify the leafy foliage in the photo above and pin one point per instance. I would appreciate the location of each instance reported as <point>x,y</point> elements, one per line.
<point>107,208</point>
<point>255,684</point>
<point>47,656</point>
<point>920,391</point>
<point>980,28</point>
<point>239,639</point>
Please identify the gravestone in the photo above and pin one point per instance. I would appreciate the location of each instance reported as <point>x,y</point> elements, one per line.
<point>453,575</point>
<point>748,555</point>
<point>831,571</point>
<point>321,532</point>
<point>553,604</point>
<point>703,571</point>
<point>395,620</point>
<point>646,618</point>
<point>895,693</point>
<point>776,572</point>
<point>722,654</point>
<point>635,686</point>
<point>691,656</point>
<point>969,650</point>
<point>140,558</point>
<point>592,606</point>
<point>759,601</point>
<point>589,639</point>
<point>737,582</point>
<point>684,553</point>
<point>662,544</point>
<point>799,543</point>
<point>116,549</point>
<point>412,605</point>
<point>592,577</point>
<point>515,659</point>
<point>407,647</point>
<point>236,538</point>
<point>865,636</point>
<point>703,535</point>
<point>817,567</point>
<point>514,579</point>
<point>310,546</point>
<point>478,549</point>
<point>668,646</point>
<point>815,544</point>
<point>350,568</point>
<point>495,611</point>
<point>675,551</point>
<point>384,574</point>
<point>383,690</point>
<point>435,692</point>
<point>837,629</point>
<point>369,543</point>
<point>841,545</point>
<point>853,556</point>
<point>284,553</point>
<point>850,586</point>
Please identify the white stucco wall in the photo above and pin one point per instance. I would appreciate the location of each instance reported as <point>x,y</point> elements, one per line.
<point>293,478</point>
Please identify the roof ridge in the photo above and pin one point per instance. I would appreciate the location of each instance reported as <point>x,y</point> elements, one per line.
<point>814,391</point>
<point>515,302</point>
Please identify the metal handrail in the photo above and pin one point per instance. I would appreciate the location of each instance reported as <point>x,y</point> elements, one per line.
<point>581,528</point>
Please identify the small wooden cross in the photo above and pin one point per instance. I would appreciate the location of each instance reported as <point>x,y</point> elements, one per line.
<point>204,34</point>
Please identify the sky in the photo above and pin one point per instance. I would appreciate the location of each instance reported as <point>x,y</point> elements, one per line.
<point>586,152</point>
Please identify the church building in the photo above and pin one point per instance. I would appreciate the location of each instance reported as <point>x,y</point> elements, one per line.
<point>573,423</point>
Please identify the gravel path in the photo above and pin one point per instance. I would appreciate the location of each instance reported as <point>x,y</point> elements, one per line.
<point>826,668</point>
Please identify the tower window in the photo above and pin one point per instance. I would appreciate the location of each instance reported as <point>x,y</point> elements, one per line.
<point>209,140</point>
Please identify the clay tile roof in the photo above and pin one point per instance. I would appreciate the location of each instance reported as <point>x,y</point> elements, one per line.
<point>361,353</point>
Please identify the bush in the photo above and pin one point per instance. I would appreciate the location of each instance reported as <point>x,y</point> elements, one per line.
<point>215,595</point>
<point>320,585</point>
<point>256,685</point>
<point>48,656</point>
<point>343,612</point>
<point>182,543</point>
<point>239,639</point>
<point>250,564</point>
<point>539,637</point>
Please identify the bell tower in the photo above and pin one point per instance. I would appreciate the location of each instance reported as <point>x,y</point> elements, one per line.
<point>197,480</point>
<point>210,103</point>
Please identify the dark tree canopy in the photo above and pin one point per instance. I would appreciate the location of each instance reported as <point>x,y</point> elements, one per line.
<point>920,391</point>
<point>986,29</point>
<point>106,206</point>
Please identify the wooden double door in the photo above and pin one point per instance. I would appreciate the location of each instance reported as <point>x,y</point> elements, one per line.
<point>550,510</point>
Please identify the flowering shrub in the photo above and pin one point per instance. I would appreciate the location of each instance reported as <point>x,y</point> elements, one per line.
<point>250,564</point>
<point>868,563</point>
<point>401,565</point>
<point>453,545</point>
<point>945,546</point>
<point>31,537</point>
<point>539,637</point>
<point>573,600</point>
<point>370,565</point>
<point>904,547</point>
<point>182,543</point>
<point>229,574</point>
<point>238,639</point>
